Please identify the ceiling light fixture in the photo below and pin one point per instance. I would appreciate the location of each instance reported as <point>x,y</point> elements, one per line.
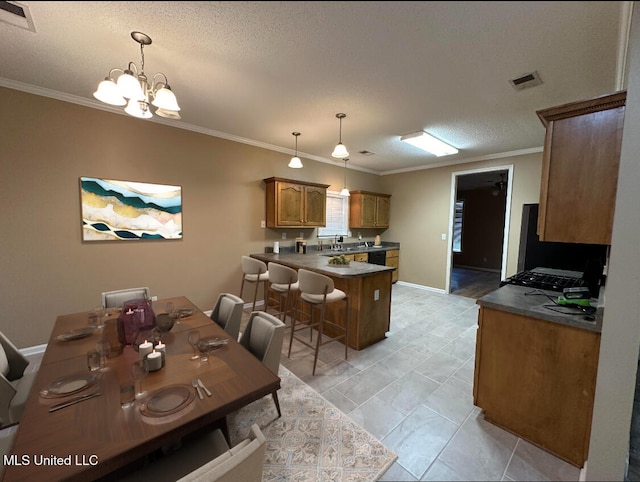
<point>295,161</point>
<point>133,90</point>
<point>428,143</point>
<point>345,191</point>
<point>340,151</point>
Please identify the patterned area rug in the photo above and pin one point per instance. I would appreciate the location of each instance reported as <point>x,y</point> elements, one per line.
<point>313,440</point>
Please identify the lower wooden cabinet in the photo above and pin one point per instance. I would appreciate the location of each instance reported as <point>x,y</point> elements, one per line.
<point>393,259</point>
<point>363,257</point>
<point>537,379</point>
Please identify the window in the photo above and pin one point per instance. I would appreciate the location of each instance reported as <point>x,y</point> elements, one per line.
<point>457,227</point>
<point>337,215</point>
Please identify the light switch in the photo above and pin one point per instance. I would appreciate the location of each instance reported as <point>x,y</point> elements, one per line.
<point>444,236</point>
<point>376,295</point>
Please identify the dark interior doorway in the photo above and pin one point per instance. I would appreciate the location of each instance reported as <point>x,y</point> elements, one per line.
<point>478,232</point>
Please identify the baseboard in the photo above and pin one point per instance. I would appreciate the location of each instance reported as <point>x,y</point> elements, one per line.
<point>421,287</point>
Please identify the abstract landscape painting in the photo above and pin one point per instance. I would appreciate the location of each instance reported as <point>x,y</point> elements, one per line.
<point>126,210</point>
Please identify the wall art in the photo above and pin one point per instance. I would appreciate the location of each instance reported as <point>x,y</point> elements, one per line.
<point>126,210</point>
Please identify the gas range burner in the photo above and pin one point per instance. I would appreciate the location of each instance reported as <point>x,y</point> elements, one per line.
<point>544,281</point>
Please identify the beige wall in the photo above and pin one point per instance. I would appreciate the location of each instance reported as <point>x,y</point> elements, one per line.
<point>47,145</point>
<point>420,210</point>
<point>46,270</point>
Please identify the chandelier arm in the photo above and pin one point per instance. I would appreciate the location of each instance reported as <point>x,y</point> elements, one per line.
<point>159,85</point>
<point>134,69</point>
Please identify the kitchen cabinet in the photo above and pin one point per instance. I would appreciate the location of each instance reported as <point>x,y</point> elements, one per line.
<point>294,204</point>
<point>363,257</point>
<point>536,379</point>
<point>369,209</point>
<point>393,260</point>
<point>580,169</point>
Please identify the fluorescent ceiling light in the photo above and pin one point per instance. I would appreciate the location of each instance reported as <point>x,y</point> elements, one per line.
<point>428,143</point>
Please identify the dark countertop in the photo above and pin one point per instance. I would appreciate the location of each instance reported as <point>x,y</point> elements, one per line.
<point>316,261</point>
<point>512,298</point>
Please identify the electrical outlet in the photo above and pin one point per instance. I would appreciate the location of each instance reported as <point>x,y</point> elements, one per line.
<point>154,298</point>
<point>376,295</point>
<point>263,224</point>
<point>301,234</point>
<point>284,235</point>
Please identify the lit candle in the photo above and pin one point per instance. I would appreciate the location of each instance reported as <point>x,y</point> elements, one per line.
<point>160,347</point>
<point>154,361</point>
<point>144,349</point>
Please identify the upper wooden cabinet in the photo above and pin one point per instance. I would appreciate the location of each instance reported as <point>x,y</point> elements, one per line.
<point>580,169</point>
<point>293,204</point>
<point>369,209</point>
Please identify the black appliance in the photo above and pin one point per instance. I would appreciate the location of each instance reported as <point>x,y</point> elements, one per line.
<point>546,280</point>
<point>378,257</point>
<point>586,259</point>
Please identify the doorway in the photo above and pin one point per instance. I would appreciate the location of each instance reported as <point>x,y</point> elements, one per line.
<point>478,230</point>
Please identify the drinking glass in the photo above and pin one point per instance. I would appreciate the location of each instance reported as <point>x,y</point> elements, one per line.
<point>103,348</point>
<point>194,337</point>
<point>139,370</point>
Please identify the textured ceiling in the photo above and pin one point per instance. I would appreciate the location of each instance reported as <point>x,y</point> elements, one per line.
<point>257,71</point>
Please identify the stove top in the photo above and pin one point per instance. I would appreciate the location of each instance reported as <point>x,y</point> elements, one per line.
<point>546,280</point>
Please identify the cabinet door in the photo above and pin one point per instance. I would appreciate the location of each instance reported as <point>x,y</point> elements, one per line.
<point>290,204</point>
<point>382,212</point>
<point>368,213</point>
<point>363,257</point>
<point>315,206</point>
<point>580,170</point>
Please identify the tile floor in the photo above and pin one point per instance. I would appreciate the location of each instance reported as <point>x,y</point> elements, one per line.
<point>413,391</point>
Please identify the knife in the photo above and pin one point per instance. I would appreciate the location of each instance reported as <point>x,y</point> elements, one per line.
<point>73,401</point>
<point>204,388</point>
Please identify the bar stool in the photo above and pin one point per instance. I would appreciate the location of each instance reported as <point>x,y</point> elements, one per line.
<point>283,283</point>
<point>254,271</point>
<point>317,290</point>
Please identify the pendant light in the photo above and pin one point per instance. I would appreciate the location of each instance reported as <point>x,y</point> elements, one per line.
<point>345,191</point>
<point>340,151</point>
<point>295,161</point>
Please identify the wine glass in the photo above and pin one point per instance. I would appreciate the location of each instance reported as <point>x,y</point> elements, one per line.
<point>139,370</point>
<point>193,338</point>
<point>164,323</point>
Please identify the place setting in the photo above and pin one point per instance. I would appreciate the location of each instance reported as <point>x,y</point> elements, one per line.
<point>75,386</point>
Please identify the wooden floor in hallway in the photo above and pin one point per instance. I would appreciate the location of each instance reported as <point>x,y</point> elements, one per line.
<point>473,283</point>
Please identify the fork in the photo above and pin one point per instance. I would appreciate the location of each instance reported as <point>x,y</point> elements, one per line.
<point>194,382</point>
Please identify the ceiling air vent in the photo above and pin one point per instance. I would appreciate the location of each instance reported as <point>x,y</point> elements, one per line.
<point>526,81</point>
<point>16,14</point>
<point>366,153</point>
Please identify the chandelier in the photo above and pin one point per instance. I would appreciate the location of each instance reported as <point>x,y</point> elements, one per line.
<point>132,89</point>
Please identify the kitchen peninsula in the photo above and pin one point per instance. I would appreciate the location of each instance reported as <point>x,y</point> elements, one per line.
<point>367,285</point>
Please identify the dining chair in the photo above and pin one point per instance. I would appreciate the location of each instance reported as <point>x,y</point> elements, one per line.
<point>115,299</point>
<point>15,384</point>
<point>316,291</point>
<point>227,313</point>
<point>6,441</point>
<point>263,337</point>
<point>256,272</point>
<point>208,457</point>
<point>283,283</point>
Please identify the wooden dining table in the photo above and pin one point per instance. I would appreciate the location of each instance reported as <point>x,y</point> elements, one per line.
<point>96,437</point>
